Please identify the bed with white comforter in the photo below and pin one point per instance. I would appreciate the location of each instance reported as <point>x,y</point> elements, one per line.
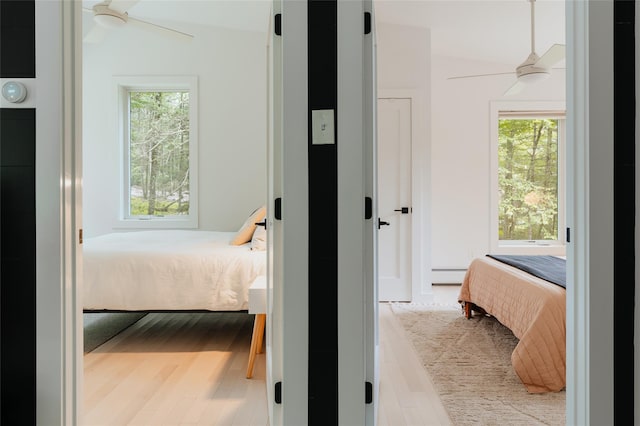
<point>168,270</point>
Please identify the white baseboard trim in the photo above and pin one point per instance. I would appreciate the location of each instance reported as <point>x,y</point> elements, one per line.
<point>447,276</point>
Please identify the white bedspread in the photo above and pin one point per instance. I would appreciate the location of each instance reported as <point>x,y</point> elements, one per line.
<point>169,270</point>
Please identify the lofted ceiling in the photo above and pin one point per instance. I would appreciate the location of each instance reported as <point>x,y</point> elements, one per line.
<point>489,30</point>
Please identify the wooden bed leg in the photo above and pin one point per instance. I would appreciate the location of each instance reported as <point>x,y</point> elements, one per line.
<point>467,310</point>
<point>263,322</point>
<point>256,341</point>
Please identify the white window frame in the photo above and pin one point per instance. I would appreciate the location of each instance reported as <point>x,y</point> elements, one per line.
<point>124,85</point>
<point>528,109</point>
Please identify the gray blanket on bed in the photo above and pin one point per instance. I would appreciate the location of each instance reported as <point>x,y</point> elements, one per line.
<point>549,268</point>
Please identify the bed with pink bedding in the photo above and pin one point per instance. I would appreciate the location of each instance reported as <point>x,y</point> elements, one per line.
<point>532,308</point>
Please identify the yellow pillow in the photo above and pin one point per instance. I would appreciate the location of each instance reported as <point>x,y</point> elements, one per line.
<point>245,232</point>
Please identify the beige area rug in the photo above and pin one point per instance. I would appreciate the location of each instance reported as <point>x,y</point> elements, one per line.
<point>469,362</point>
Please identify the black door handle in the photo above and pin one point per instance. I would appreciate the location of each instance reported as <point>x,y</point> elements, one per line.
<point>263,223</point>
<point>404,210</point>
<point>382,222</point>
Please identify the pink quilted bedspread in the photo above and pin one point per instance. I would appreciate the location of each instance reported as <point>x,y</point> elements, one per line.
<point>533,309</point>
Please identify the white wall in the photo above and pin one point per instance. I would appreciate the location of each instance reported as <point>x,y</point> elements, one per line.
<point>452,142</point>
<point>403,57</point>
<point>455,139</point>
<point>460,156</point>
<point>231,70</point>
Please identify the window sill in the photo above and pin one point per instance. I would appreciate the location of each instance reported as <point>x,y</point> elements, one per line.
<point>156,223</point>
<point>551,249</point>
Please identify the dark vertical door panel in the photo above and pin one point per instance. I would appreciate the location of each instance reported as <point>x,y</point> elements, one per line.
<point>624,104</point>
<point>323,218</point>
<point>18,41</point>
<point>17,222</point>
<point>17,267</point>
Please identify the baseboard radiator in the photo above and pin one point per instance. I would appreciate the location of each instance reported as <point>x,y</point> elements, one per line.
<point>448,275</point>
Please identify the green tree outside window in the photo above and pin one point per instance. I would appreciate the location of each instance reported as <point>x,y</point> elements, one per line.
<point>528,179</point>
<point>158,153</point>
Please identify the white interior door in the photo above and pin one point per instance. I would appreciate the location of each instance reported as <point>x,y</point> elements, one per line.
<point>394,199</point>
<point>288,218</point>
<point>273,341</point>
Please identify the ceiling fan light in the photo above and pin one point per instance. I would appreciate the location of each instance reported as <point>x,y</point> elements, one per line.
<point>533,77</point>
<point>109,21</point>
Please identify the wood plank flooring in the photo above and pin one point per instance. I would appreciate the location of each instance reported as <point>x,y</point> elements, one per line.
<point>190,369</point>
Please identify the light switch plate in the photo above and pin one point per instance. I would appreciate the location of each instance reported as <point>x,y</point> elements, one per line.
<point>323,129</point>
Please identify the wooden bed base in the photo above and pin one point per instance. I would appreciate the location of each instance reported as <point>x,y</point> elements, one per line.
<point>470,308</point>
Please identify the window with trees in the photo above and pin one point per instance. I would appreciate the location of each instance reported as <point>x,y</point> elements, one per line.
<point>528,177</point>
<point>158,123</point>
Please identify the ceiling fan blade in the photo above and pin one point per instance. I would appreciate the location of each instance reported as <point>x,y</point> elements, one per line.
<point>480,75</point>
<point>515,88</point>
<point>160,29</point>
<point>95,35</point>
<point>122,6</point>
<point>553,55</point>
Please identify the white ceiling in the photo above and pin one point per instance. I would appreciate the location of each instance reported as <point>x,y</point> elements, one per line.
<point>491,30</point>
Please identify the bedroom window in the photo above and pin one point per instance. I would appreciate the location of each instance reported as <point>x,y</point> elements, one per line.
<point>528,177</point>
<point>159,145</point>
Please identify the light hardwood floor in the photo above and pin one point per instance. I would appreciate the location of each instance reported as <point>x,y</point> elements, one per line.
<point>189,369</point>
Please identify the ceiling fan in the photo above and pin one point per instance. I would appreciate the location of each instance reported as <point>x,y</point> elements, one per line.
<point>113,14</point>
<point>535,68</point>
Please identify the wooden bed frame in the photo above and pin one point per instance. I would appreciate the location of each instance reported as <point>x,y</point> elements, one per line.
<point>470,308</point>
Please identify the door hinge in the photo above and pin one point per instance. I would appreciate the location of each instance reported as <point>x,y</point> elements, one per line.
<point>368,393</point>
<point>277,210</point>
<point>368,208</point>
<point>80,236</point>
<point>278,392</point>
<point>278,24</point>
<point>367,22</point>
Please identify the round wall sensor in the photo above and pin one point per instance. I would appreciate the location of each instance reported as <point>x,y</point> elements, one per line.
<point>14,91</point>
